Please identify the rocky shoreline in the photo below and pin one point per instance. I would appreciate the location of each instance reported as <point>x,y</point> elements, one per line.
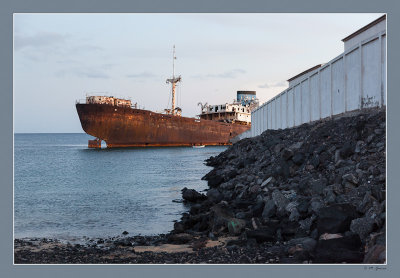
<point>311,194</point>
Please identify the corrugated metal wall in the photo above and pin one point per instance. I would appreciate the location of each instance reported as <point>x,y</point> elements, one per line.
<point>354,80</point>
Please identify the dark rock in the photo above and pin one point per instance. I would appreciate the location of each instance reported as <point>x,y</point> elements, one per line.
<point>181,238</point>
<point>262,235</point>
<point>346,150</point>
<point>337,188</point>
<point>318,186</point>
<point>374,171</point>
<point>296,146</point>
<point>294,215</point>
<point>231,174</point>
<point>303,204</point>
<point>314,234</point>
<point>249,160</point>
<point>306,243</point>
<point>125,233</point>
<point>289,228</point>
<point>315,205</point>
<point>298,158</point>
<point>379,192</point>
<point>321,148</point>
<point>304,185</point>
<point>337,156</point>
<point>258,208</point>
<point>214,195</point>
<point>212,236</point>
<point>380,144</point>
<point>305,224</point>
<point>243,215</point>
<point>278,148</point>
<point>335,218</point>
<point>255,189</point>
<point>202,224</point>
<point>348,187</point>
<point>269,209</point>
<point>196,208</point>
<point>214,181</point>
<point>350,178</point>
<point>280,200</point>
<point>358,147</point>
<point>345,249</point>
<point>363,165</point>
<point>362,226</point>
<point>179,227</point>
<point>285,169</point>
<point>192,195</point>
<point>236,226</point>
<point>251,243</point>
<point>123,242</point>
<point>249,178</point>
<point>267,181</point>
<point>227,186</point>
<point>286,154</point>
<point>315,161</point>
<point>376,255</point>
<point>241,204</point>
<point>220,218</point>
<point>282,169</point>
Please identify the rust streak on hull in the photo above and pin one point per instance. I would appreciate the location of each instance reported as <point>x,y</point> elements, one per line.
<point>128,127</point>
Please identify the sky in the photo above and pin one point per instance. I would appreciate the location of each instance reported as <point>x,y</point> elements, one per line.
<point>60,58</point>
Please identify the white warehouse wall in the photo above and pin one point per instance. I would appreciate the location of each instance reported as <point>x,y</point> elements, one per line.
<point>376,29</point>
<point>298,79</point>
<point>354,80</point>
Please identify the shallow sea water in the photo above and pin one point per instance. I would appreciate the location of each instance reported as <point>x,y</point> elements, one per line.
<point>64,190</point>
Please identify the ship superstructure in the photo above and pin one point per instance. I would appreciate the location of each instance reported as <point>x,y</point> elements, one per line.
<point>239,111</point>
<point>108,100</point>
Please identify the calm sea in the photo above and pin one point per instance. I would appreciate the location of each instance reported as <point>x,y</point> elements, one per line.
<point>64,190</point>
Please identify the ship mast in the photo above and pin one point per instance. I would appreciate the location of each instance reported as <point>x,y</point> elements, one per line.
<point>173,81</point>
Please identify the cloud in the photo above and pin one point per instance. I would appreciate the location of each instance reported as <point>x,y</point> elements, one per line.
<point>278,84</point>
<point>41,46</point>
<point>108,66</point>
<point>264,86</point>
<point>281,84</point>
<point>84,48</point>
<point>96,75</point>
<point>67,61</point>
<point>83,72</point>
<point>227,74</point>
<point>142,75</point>
<point>40,40</point>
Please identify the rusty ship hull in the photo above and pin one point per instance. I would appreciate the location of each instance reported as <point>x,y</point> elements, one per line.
<point>130,127</point>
